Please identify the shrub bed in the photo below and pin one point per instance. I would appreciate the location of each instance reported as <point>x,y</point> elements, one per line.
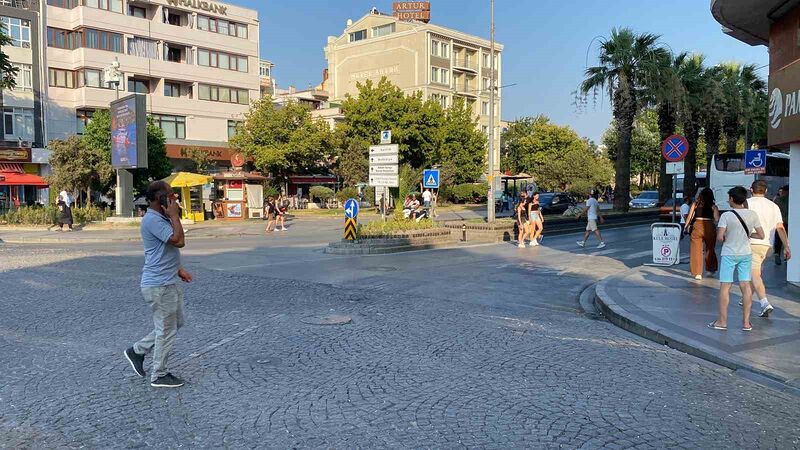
<point>48,215</point>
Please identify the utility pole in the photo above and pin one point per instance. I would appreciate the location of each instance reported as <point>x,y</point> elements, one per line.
<point>490,217</point>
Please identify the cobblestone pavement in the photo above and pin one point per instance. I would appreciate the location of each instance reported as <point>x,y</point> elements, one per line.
<point>407,372</point>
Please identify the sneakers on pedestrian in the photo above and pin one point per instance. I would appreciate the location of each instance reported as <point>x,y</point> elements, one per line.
<point>521,245</point>
<point>602,245</point>
<point>698,277</point>
<point>765,311</point>
<point>136,360</point>
<point>167,381</point>
<point>581,244</point>
<point>710,274</point>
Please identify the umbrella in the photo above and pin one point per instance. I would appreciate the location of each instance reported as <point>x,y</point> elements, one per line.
<point>187,179</point>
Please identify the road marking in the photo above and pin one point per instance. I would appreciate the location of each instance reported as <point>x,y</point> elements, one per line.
<point>637,255</point>
<point>224,341</point>
<point>605,252</point>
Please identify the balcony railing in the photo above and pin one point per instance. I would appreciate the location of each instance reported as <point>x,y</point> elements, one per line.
<point>467,89</point>
<point>21,4</point>
<point>462,63</point>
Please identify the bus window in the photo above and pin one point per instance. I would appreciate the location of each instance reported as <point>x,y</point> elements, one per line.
<point>729,163</point>
<point>778,167</point>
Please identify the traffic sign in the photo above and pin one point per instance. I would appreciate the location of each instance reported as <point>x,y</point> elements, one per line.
<point>384,180</point>
<point>384,159</point>
<point>755,162</point>
<point>430,179</point>
<point>351,209</point>
<point>386,137</point>
<point>387,149</point>
<point>390,169</point>
<point>350,229</point>
<point>675,148</point>
<point>675,168</point>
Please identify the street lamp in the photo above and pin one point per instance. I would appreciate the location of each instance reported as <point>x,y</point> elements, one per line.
<point>113,76</point>
<point>490,216</point>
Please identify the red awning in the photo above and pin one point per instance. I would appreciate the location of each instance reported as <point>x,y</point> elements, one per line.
<point>11,167</point>
<point>21,179</point>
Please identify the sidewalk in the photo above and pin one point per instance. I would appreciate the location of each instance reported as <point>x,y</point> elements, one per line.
<point>667,306</point>
<point>121,233</point>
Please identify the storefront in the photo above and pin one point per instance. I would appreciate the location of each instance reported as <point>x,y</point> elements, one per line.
<point>239,195</point>
<point>774,23</point>
<point>20,183</point>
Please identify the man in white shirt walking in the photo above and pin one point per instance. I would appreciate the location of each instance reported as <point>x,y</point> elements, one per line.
<point>769,214</point>
<point>593,216</point>
<point>735,229</point>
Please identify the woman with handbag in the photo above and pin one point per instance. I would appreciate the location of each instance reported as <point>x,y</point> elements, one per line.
<point>700,226</point>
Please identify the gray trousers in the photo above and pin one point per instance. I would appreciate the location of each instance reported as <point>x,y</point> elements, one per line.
<point>167,305</point>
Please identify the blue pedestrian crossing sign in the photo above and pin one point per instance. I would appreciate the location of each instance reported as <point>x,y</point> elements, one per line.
<point>755,162</point>
<point>351,209</point>
<point>430,179</point>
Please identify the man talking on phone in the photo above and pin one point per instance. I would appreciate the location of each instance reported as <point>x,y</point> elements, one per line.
<point>162,235</point>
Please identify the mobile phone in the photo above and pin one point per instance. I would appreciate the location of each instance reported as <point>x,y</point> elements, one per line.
<point>163,200</point>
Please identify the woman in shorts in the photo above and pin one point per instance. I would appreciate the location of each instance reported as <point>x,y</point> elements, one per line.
<point>537,223</point>
<point>523,221</point>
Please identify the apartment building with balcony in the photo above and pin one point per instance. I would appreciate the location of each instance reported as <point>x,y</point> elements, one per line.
<point>444,64</point>
<point>197,62</point>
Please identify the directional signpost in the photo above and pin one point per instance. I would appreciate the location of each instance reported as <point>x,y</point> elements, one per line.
<point>351,219</point>
<point>755,162</point>
<point>383,167</point>
<point>674,150</point>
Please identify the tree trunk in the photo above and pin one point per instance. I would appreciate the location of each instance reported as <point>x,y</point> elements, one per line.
<point>712,136</point>
<point>690,163</point>
<point>731,129</point>
<point>625,113</point>
<point>88,200</point>
<point>666,128</point>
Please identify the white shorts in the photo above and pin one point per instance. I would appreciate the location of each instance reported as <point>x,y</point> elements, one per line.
<point>591,225</point>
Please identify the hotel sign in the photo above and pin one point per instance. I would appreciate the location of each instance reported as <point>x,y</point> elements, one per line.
<point>784,106</point>
<point>420,11</point>
<point>375,73</point>
<point>202,5</point>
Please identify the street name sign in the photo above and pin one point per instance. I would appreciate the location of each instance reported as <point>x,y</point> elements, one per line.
<point>430,179</point>
<point>384,159</point>
<point>390,169</point>
<point>675,148</point>
<point>675,168</point>
<point>351,208</point>
<point>384,180</point>
<point>755,162</point>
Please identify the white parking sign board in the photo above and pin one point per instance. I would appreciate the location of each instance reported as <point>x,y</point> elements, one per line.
<point>666,244</point>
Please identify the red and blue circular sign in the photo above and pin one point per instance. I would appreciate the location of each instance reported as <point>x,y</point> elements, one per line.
<point>675,148</point>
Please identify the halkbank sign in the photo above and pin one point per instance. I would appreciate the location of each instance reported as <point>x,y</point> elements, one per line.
<point>202,5</point>
<point>784,105</point>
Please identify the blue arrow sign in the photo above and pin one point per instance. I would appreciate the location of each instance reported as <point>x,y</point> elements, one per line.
<point>755,161</point>
<point>351,208</point>
<point>430,179</point>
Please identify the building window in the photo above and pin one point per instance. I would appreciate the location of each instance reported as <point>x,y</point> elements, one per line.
<point>435,74</point>
<point>24,77</point>
<point>222,26</point>
<point>18,30</point>
<point>435,48</point>
<point>174,54</point>
<point>221,60</point>
<point>97,39</point>
<point>138,86</point>
<point>485,108</point>
<point>174,127</point>
<point>18,123</point>
<point>486,61</point>
<point>440,99</point>
<point>92,78</point>
<point>264,70</point>
<point>359,35</point>
<point>444,50</point>
<point>61,78</point>
<point>145,48</point>
<point>172,89</point>
<point>383,30</point>
<point>136,11</point>
<point>173,19</point>
<point>83,117</point>
<point>108,5</point>
<point>68,40</point>
<point>223,94</point>
<point>232,124</point>
<point>487,84</point>
<point>68,4</point>
<point>445,76</point>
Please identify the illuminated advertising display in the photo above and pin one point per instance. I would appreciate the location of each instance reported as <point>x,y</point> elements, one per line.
<point>129,133</point>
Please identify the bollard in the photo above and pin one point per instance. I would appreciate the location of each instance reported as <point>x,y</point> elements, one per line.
<point>464,233</point>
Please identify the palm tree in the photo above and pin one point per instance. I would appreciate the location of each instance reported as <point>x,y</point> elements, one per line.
<point>667,95</point>
<point>741,85</point>
<point>627,70</point>
<point>692,83</point>
<point>712,110</point>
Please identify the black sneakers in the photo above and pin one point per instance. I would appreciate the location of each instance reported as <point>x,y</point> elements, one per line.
<point>136,360</point>
<point>167,381</point>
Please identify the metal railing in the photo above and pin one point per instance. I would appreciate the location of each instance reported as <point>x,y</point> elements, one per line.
<point>21,4</point>
<point>462,63</point>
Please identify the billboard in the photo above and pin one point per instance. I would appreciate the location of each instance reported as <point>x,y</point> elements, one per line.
<point>129,133</point>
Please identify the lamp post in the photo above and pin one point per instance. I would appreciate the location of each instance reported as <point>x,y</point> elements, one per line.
<point>490,216</point>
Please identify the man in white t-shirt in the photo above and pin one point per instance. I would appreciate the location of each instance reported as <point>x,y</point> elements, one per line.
<point>734,230</point>
<point>686,208</point>
<point>593,216</point>
<point>427,197</point>
<point>769,214</point>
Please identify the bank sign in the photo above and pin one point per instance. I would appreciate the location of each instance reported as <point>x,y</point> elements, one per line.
<point>784,106</point>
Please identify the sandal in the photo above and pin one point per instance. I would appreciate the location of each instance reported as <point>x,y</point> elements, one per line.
<point>713,325</point>
<point>750,328</point>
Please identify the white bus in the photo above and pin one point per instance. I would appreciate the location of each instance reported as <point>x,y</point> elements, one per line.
<point>727,171</point>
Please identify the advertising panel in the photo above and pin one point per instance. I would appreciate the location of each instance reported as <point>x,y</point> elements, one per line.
<point>129,133</point>
<point>784,106</point>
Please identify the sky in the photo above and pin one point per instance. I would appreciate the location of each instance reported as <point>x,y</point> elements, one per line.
<point>546,43</point>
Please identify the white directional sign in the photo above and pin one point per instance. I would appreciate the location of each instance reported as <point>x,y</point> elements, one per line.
<point>384,180</point>
<point>384,159</point>
<point>390,169</point>
<point>389,149</point>
<point>675,168</point>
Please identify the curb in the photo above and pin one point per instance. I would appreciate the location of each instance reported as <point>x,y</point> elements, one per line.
<point>89,240</point>
<point>631,322</point>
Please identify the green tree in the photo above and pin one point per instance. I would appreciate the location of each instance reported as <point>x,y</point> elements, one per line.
<point>462,154</point>
<point>352,165</point>
<point>628,67</point>
<point>645,145</point>
<point>97,138</point>
<point>283,141</point>
<point>711,104</point>
<point>741,88</point>
<point>76,166</point>
<point>9,72</point>
<point>692,86</point>
<point>200,159</point>
<point>554,155</point>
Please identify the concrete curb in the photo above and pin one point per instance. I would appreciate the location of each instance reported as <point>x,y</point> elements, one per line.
<point>89,240</point>
<point>633,323</point>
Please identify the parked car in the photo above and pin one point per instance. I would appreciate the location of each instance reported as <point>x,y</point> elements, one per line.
<point>647,199</point>
<point>555,202</point>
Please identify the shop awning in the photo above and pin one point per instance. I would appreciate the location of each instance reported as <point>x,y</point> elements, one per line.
<point>21,179</point>
<point>11,167</point>
<point>187,179</point>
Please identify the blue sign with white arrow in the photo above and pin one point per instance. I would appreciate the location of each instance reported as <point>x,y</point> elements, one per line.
<point>430,179</point>
<point>351,209</point>
<point>755,162</point>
